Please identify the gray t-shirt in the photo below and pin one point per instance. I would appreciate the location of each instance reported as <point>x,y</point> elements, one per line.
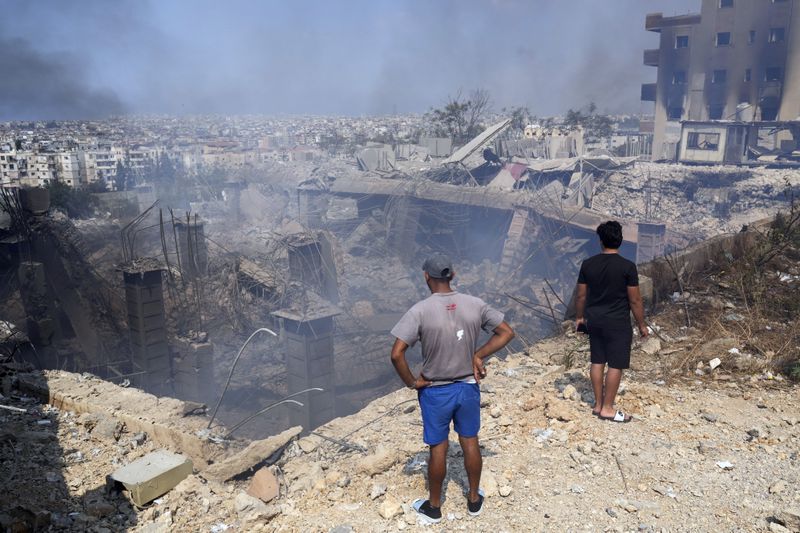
<point>448,324</point>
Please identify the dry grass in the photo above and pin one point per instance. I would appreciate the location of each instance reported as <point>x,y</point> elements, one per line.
<point>754,299</point>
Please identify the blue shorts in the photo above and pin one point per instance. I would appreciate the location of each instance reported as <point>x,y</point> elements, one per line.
<point>456,402</point>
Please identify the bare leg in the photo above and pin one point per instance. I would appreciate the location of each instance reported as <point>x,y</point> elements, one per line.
<point>613,377</point>
<point>596,374</point>
<point>437,469</point>
<point>473,463</point>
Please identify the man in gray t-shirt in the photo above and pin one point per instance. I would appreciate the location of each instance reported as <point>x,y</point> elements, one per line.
<point>448,325</point>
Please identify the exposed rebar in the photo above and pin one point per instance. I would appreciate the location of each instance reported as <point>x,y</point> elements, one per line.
<point>233,367</point>
<point>254,415</point>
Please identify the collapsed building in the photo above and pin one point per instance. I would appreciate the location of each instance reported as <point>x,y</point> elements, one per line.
<point>328,260</point>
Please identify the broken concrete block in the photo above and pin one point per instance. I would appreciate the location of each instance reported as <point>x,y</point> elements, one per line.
<point>264,486</point>
<point>153,475</point>
<point>651,345</point>
<point>108,429</point>
<point>379,462</point>
<point>790,518</point>
<point>389,508</point>
<point>255,453</point>
<point>100,508</point>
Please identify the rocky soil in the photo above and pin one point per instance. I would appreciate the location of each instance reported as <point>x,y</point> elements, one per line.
<point>711,452</point>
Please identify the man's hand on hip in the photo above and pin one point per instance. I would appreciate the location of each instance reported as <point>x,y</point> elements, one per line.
<point>421,383</point>
<point>478,369</point>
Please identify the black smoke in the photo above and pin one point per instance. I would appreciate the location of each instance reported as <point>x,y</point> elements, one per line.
<point>36,85</point>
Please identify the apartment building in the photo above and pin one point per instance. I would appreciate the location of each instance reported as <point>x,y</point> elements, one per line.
<point>68,168</point>
<point>34,169</point>
<point>735,60</point>
<point>9,171</point>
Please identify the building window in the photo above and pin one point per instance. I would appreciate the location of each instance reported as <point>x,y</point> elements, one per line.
<point>725,3</point>
<point>719,76</point>
<point>674,113</point>
<point>773,74</point>
<point>748,74</point>
<point>751,37</point>
<point>777,35</point>
<point>679,77</point>
<point>682,41</point>
<point>724,38</point>
<point>715,112</point>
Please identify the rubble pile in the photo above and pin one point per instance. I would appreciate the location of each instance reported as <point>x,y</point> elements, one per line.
<point>696,203</point>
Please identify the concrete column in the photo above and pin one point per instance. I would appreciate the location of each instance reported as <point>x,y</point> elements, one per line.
<point>233,196</point>
<point>402,221</point>
<point>193,249</point>
<point>518,240</point>
<point>312,206</point>
<point>309,363</point>
<point>650,243</point>
<point>193,369</point>
<point>147,324</point>
<point>311,262</point>
<point>35,299</point>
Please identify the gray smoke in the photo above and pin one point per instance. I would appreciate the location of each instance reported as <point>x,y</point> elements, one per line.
<point>41,86</point>
<point>320,57</point>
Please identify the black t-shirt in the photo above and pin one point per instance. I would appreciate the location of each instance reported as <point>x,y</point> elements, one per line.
<point>608,277</point>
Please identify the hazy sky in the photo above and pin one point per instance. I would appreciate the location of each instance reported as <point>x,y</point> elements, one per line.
<point>88,58</point>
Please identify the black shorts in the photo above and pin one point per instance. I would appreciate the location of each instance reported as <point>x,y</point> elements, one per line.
<point>611,345</point>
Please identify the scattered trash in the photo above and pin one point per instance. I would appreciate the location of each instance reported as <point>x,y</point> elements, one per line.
<point>14,409</point>
<point>44,422</point>
<point>725,465</point>
<point>542,434</point>
<point>217,528</point>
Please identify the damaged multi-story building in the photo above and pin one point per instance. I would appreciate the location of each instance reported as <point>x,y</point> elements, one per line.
<point>736,60</point>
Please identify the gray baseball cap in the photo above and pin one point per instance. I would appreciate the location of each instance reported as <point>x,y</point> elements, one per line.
<point>438,266</point>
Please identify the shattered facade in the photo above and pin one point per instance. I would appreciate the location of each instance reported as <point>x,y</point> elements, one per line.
<point>737,60</point>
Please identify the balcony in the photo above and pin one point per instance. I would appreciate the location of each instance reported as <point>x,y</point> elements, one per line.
<point>649,91</point>
<point>651,57</point>
<point>656,21</point>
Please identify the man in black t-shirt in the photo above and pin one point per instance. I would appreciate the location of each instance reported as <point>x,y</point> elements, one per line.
<point>608,290</point>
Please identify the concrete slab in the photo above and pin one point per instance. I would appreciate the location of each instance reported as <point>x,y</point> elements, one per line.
<point>153,475</point>
<point>256,452</point>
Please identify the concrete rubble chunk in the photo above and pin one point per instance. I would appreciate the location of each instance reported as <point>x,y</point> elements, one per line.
<point>264,486</point>
<point>108,429</point>
<point>790,518</point>
<point>380,461</point>
<point>651,345</point>
<point>390,507</point>
<point>153,475</point>
<point>256,452</point>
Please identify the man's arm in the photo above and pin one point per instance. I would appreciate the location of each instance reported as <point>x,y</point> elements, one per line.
<point>402,368</point>
<point>502,335</point>
<point>635,300</point>
<point>580,305</point>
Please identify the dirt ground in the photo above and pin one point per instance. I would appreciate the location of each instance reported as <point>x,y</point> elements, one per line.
<point>711,452</point>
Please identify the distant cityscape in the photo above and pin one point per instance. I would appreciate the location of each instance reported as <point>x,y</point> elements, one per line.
<point>97,153</point>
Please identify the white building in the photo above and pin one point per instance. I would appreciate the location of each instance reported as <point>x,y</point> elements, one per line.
<point>68,168</point>
<point>34,169</point>
<point>9,171</point>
